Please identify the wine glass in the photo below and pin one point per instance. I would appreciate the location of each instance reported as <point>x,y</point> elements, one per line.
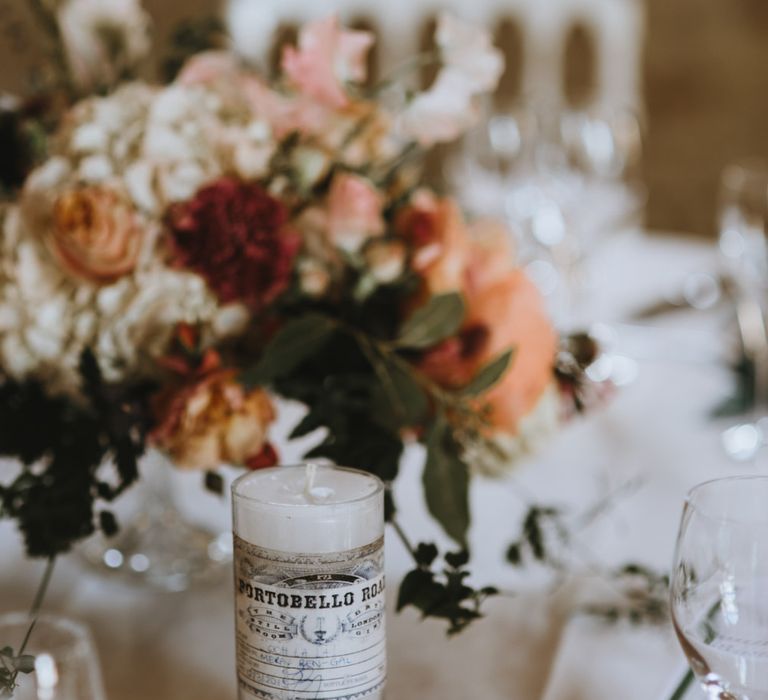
<point>743,215</point>
<point>719,587</point>
<point>66,666</point>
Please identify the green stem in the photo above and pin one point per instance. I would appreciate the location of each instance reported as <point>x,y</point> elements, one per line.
<point>682,688</point>
<point>404,538</point>
<point>422,60</point>
<point>34,612</point>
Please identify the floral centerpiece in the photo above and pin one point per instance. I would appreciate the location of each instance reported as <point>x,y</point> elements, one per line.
<point>180,254</point>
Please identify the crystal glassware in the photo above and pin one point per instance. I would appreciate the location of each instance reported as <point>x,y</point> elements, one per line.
<point>743,217</point>
<point>719,587</point>
<point>66,666</point>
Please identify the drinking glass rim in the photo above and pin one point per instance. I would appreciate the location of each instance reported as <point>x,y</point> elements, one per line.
<point>690,496</point>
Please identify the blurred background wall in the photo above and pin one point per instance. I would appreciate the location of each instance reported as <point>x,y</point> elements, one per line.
<point>704,88</point>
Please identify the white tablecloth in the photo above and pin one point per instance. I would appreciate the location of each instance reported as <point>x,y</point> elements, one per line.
<point>180,646</point>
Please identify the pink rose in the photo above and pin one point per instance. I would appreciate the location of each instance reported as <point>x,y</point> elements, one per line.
<point>354,212</point>
<point>327,57</point>
<point>95,234</point>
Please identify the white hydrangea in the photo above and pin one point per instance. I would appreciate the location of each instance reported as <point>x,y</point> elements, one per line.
<point>47,319</point>
<point>155,147</point>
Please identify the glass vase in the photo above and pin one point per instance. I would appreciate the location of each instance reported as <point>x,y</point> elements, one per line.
<point>66,666</point>
<point>174,533</point>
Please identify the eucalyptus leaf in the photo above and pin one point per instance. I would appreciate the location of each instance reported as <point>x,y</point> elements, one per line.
<point>292,345</point>
<point>446,483</point>
<point>399,400</point>
<point>440,318</point>
<point>488,375</point>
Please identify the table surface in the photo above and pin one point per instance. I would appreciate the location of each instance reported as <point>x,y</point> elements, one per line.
<point>655,433</point>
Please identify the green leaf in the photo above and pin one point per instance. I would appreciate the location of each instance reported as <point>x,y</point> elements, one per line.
<point>6,651</point>
<point>390,509</point>
<point>291,346</point>
<point>108,523</point>
<point>25,663</point>
<point>457,559</point>
<point>214,483</point>
<point>426,553</point>
<point>418,588</point>
<point>488,375</point>
<point>398,400</point>
<point>446,483</point>
<point>440,318</point>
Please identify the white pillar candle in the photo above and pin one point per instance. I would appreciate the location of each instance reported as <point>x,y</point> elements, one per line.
<point>309,584</point>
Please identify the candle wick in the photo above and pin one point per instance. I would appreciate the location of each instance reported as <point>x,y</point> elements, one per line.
<point>309,480</point>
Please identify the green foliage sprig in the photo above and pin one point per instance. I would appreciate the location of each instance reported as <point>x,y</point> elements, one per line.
<point>357,374</point>
<point>63,445</point>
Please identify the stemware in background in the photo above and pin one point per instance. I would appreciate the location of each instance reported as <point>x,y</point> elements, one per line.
<point>563,180</point>
<point>743,218</point>
<point>66,664</point>
<point>719,587</point>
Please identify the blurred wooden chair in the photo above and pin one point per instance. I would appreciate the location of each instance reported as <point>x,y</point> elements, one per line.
<point>615,28</point>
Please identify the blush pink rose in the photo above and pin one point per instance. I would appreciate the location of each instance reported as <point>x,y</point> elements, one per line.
<point>354,212</point>
<point>326,58</point>
<point>95,234</point>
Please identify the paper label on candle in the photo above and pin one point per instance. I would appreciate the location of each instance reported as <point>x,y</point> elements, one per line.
<point>310,625</point>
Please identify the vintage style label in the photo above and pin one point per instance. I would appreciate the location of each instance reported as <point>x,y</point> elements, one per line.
<point>310,626</point>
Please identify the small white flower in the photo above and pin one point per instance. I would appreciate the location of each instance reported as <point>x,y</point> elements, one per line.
<point>109,299</point>
<point>89,138</point>
<point>471,66</point>
<point>314,279</point>
<point>95,169</point>
<point>230,320</point>
<point>139,181</point>
<point>259,131</point>
<point>181,182</point>
<point>385,260</point>
<point>251,161</point>
<point>165,143</point>
<point>310,165</point>
<point>174,105</point>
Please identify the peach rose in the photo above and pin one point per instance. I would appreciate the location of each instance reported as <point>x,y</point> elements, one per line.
<point>95,234</point>
<point>215,421</point>
<point>504,310</point>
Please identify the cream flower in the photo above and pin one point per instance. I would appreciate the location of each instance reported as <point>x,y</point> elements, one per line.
<point>104,39</point>
<point>47,317</point>
<point>470,67</point>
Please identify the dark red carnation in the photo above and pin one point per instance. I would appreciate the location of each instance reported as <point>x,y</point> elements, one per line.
<point>237,237</point>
